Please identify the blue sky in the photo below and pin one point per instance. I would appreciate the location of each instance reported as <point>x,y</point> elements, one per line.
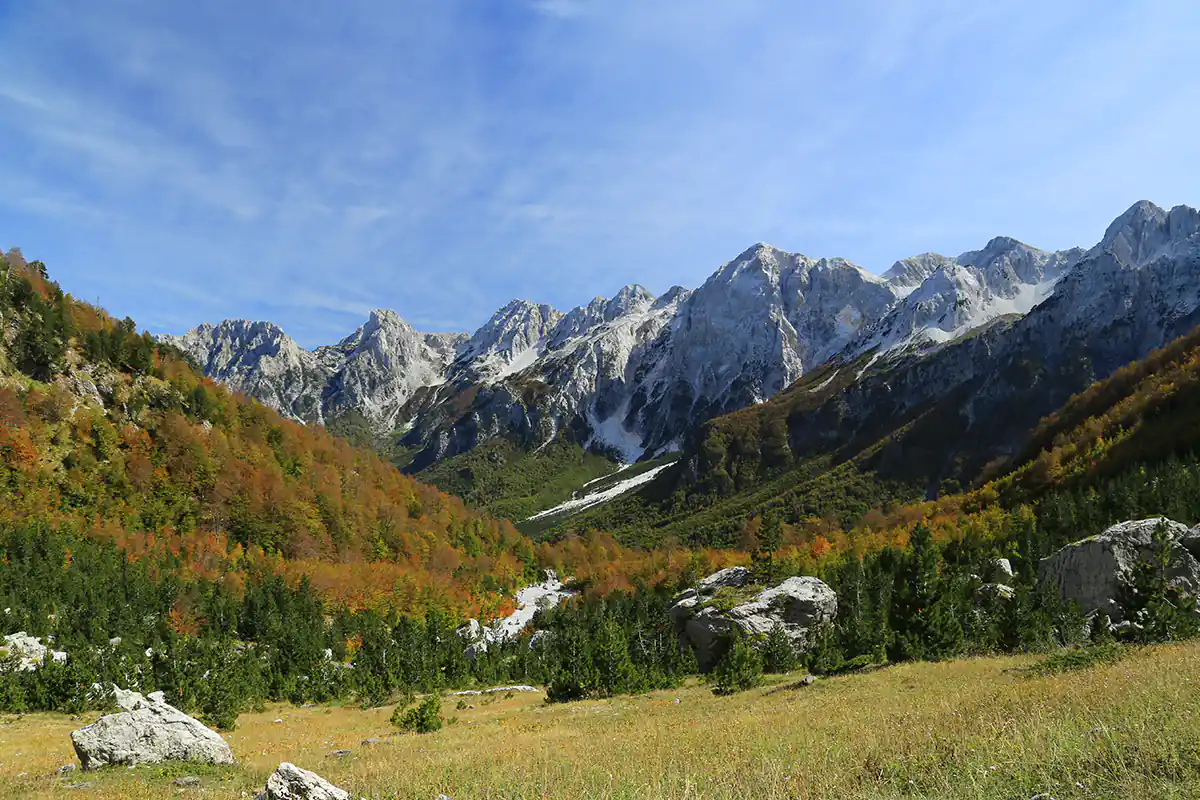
<point>305,161</point>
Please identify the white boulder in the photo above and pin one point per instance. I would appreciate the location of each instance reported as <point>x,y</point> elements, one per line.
<point>289,782</point>
<point>151,733</point>
<point>796,605</point>
<point>1000,571</point>
<point>1096,572</point>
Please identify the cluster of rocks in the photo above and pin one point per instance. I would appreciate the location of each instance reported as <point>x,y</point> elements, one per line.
<point>1096,574</point>
<point>148,730</point>
<point>531,599</point>
<point>494,690</point>
<point>796,606</point>
<point>997,581</point>
<point>29,651</point>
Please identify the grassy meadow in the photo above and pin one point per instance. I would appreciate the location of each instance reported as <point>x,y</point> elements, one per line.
<point>979,728</point>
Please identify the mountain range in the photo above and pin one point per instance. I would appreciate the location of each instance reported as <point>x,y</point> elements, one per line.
<point>636,375</point>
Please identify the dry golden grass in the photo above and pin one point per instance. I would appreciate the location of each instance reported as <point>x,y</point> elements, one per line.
<point>965,729</point>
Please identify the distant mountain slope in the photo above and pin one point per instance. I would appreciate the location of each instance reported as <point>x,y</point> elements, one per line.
<point>865,431</point>
<point>374,371</point>
<point>633,376</point>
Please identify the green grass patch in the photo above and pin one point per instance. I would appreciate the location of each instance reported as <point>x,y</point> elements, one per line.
<point>1080,658</point>
<point>727,598</point>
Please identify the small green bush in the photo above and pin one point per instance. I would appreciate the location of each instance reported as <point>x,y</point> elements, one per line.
<point>740,669</point>
<point>425,718</point>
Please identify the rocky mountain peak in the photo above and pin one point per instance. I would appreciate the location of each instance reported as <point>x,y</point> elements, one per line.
<point>908,273</point>
<point>672,296</point>
<point>380,323</point>
<point>631,297</point>
<point>638,373</point>
<point>510,340</point>
<point>1146,232</point>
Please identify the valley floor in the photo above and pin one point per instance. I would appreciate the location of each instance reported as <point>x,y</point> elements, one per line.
<point>979,728</point>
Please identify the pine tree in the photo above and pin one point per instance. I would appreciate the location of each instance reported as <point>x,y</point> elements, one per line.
<point>615,671</point>
<point>741,667</point>
<point>778,653</point>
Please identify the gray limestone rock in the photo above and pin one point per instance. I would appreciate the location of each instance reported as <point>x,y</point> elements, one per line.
<point>797,605</point>
<point>152,733</point>
<point>289,782</point>
<point>1095,572</point>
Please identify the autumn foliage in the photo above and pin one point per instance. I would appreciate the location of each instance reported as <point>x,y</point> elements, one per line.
<point>121,438</point>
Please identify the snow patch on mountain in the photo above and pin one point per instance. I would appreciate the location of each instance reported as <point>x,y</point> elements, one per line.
<point>596,498</point>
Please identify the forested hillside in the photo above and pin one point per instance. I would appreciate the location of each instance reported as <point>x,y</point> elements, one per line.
<point>114,436</point>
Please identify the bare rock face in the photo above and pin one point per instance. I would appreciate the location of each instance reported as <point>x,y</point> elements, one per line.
<point>1190,541</point>
<point>1095,572</point>
<point>289,782</point>
<point>797,605</point>
<point>151,733</point>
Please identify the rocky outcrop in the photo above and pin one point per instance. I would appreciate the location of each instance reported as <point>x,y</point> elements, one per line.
<point>152,733</point>
<point>29,651</point>
<point>726,602</point>
<point>531,599</point>
<point>1096,573</point>
<point>289,782</point>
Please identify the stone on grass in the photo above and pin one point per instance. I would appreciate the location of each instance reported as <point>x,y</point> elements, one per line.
<point>290,782</point>
<point>152,733</point>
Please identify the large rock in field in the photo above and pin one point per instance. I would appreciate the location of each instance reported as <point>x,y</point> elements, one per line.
<point>727,601</point>
<point>289,782</point>
<point>1097,572</point>
<point>151,733</point>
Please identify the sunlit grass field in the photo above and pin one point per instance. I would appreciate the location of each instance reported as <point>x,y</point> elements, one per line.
<point>980,728</point>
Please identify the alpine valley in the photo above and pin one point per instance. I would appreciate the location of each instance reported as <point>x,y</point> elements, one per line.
<point>919,377</point>
<point>829,507</point>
